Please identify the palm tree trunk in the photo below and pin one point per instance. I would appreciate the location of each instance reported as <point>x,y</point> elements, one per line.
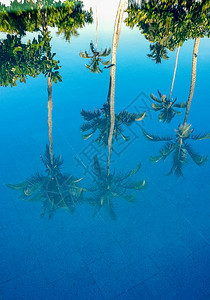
<point>49,92</point>
<point>96,30</point>
<point>111,93</point>
<point>49,119</point>
<point>174,75</point>
<point>193,78</point>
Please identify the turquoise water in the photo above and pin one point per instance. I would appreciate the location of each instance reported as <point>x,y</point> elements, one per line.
<point>158,246</point>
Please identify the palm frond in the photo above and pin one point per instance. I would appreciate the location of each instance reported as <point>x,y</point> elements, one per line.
<point>89,115</point>
<point>134,171</point>
<point>126,138</point>
<point>179,159</point>
<point>105,52</point>
<point>51,166</point>
<point>84,54</point>
<point>176,112</point>
<point>87,136</point>
<point>153,97</point>
<point>155,138</point>
<point>200,136</point>
<point>184,131</point>
<point>140,116</point>
<point>198,159</point>
<point>164,152</point>
<point>157,107</point>
<point>135,185</point>
<point>103,62</point>
<point>180,105</point>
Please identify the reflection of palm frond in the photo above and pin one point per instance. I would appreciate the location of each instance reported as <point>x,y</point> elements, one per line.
<point>112,186</point>
<point>156,138</point>
<point>55,190</point>
<point>197,158</point>
<point>158,52</point>
<point>164,152</point>
<point>95,58</point>
<point>52,166</point>
<point>166,106</point>
<point>99,120</point>
<point>200,136</point>
<point>180,148</point>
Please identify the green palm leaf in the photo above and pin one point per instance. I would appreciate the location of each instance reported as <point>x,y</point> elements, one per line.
<point>156,138</point>
<point>155,98</point>
<point>164,152</point>
<point>105,52</point>
<point>180,105</point>
<point>200,136</point>
<point>84,54</point>
<point>157,107</point>
<point>179,159</point>
<point>103,62</point>
<point>198,159</point>
<point>136,185</point>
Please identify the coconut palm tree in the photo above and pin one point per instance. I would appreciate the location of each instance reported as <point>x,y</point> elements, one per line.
<point>111,93</point>
<point>96,56</point>
<point>179,144</point>
<point>109,187</point>
<point>99,120</point>
<point>193,78</point>
<point>55,190</point>
<point>105,120</point>
<point>158,52</point>
<point>166,105</point>
<point>180,147</point>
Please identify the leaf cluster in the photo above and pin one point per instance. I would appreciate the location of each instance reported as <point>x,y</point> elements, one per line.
<point>55,190</point>
<point>99,120</point>
<point>166,107</point>
<point>170,22</point>
<point>180,147</point>
<point>108,187</point>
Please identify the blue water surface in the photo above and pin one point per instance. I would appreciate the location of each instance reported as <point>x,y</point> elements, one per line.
<point>159,246</point>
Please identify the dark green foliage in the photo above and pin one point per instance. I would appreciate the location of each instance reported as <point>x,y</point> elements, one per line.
<point>180,147</point>
<point>109,187</point>
<point>19,60</point>
<point>67,16</point>
<point>158,52</point>
<point>55,190</point>
<point>166,107</point>
<point>96,58</point>
<point>99,120</point>
<point>170,23</point>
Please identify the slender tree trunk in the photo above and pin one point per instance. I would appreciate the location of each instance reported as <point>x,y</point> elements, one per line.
<point>193,78</point>
<point>49,119</point>
<point>174,75</point>
<point>111,93</point>
<point>49,92</point>
<point>96,30</point>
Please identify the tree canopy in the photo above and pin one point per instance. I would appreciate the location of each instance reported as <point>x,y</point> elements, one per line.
<point>67,16</point>
<point>170,23</point>
<point>18,60</point>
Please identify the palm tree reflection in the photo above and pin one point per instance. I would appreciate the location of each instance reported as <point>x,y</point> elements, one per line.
<point>109,186</point>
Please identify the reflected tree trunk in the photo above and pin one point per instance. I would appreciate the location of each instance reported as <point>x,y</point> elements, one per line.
<point>193,78</point>
<point>49,119</point>
<point>174,75</point>
<point>49,92</point>
<point>111,93</point>
<point>96,30</point>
